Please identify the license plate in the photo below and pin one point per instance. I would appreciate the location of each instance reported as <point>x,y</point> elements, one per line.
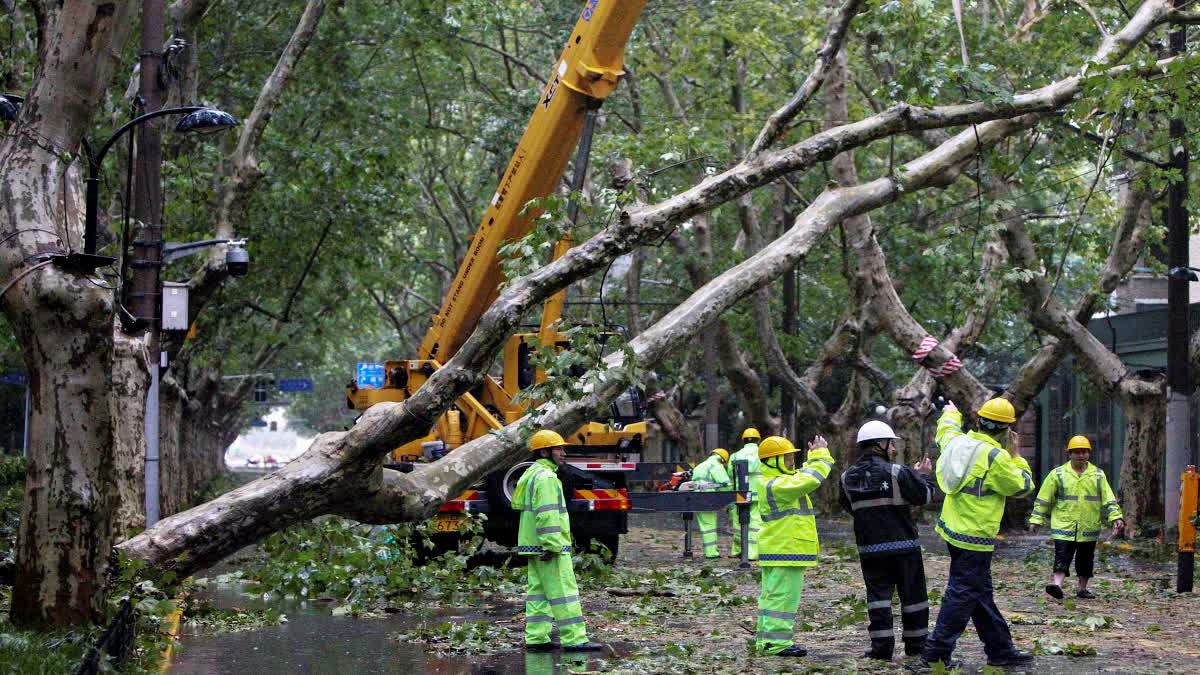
<point>448,522</point>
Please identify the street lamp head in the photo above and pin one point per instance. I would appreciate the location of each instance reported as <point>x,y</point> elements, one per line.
<point>206,121</point>
<point>1183,273</point>
<point>237,259</point>
<point>10,107</point>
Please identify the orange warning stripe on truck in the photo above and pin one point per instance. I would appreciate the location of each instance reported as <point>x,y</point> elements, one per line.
<point>465,502</point>
<point>604,499</point>
<point>585,500</point>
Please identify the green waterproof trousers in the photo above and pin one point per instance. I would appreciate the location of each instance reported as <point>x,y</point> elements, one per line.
<point>553,599</point>
<point>707,523</point>
<point>755,526</point>
<point>777,604</point>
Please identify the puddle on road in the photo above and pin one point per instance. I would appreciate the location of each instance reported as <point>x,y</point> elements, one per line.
<point>313,641</point>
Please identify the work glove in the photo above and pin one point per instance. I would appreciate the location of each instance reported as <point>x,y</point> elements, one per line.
<point>546,557</point>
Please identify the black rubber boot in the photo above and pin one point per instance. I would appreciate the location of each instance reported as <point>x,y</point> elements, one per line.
<point>794,650</point>
<point>541,646</point>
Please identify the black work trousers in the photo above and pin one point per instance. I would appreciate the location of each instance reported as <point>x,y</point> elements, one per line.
<point>969,599</point>
<point>884,575</point>
<point>1084,553</point>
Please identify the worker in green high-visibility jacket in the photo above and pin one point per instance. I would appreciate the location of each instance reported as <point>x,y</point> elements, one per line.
<point>1078,498</point>
<point>544,537</point>
<point>748,454</point>
<point>788,539</point>
<point>711,476</point>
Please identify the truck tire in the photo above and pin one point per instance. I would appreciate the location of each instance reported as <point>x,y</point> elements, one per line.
<point>506,483</point>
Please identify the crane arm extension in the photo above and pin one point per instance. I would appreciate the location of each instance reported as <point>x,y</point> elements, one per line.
<point>584,75</point>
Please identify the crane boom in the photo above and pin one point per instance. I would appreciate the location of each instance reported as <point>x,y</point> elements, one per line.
<point>584,75</point>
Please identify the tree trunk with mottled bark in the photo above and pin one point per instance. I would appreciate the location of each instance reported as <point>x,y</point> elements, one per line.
<point>1140,491</point>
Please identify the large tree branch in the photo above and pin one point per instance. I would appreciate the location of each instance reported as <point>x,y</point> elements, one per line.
<point>1104,368</point>
<point>777,123</point>
<point>242,174</point>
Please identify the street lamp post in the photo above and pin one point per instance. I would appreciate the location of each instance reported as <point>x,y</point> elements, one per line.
<point>197,119</point>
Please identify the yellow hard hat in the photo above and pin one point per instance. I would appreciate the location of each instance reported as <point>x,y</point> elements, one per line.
<point>751,432</point>
<point>545,439</point>
<point>999,410</point>
<point>1079,443</point>
<point>723,453</point>
<point>774,446</point>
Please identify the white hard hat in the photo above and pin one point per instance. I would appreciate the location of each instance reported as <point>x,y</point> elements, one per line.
<point>875,430</point>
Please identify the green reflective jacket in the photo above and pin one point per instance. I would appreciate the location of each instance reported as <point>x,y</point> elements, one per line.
<point>788,537</point>
<point>749,452</point>
<point>1078,503</point>
<point>710,475</point>
<point>977,475</point>
<point>545,526</point>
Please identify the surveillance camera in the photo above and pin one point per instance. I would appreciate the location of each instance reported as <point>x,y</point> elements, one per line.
<point>237,260</point>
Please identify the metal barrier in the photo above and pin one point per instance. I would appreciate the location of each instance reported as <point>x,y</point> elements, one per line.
<point>690,503</point>
<point>116,642</point>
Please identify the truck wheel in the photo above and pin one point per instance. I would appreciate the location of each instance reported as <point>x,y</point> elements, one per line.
<point>508,484</point>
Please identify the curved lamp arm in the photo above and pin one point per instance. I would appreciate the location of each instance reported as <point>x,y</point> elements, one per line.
<point>92,203</point>
<point>182,110</point>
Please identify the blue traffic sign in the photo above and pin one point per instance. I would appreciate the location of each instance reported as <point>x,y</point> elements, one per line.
<point>296,384</point>
<point>13,377</point>
<point>371,375</point>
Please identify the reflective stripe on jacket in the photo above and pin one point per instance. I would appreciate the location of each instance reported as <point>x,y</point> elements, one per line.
<point>749,452</point>
<point>545,526</point>
<point>977,474</point>
<point>788,537</point>
<point>1078,503</point>
<point>710,475</point>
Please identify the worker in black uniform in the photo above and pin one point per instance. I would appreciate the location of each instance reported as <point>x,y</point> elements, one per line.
<point>879,494</point>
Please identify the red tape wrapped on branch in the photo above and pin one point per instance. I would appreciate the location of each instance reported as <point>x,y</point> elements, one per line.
<point>948,367</point>
<point>923,351</point>
<point>927,345</point>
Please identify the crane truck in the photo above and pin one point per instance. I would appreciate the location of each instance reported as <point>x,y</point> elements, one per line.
<point>602,454</point>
